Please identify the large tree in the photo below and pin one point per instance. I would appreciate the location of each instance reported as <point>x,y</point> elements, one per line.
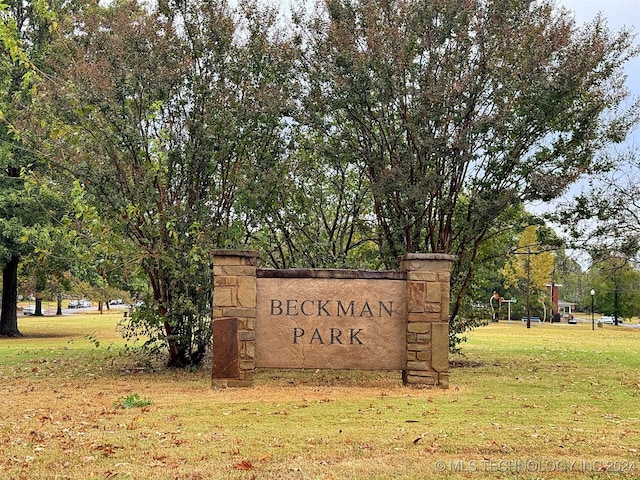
<point>25,31</point>
<point>460,110</point>
<point>166,115</point>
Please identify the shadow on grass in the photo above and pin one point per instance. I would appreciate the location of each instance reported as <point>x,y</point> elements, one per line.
<point>470,364</point>
<point>321,378</point>
<point>45,335</point>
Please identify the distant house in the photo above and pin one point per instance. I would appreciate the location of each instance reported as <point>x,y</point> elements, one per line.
<point>566,308</point>
<point>562,307</point>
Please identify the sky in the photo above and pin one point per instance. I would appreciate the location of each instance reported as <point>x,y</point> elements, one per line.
<point>619,14</point>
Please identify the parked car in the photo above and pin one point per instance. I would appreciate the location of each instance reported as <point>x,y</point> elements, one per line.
<point>79,304</point>
<point>29,310</point>
<point>533,319</point>
<point>84,303</point>
<point>608,320</point>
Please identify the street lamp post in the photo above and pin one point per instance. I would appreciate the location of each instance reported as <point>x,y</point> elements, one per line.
<point>593,326</point>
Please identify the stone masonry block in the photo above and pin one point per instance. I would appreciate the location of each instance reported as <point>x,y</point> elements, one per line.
<point>415,296</point>
<point>423,317</point>
<point>417,365</point>
<point>247,364</point>
<point>434,292</point>
<point>224,281</point>
<point>440,351</point>
<point>446,289</point>
<point>224,297</point>
<point>423,373</point>
<point>250,350</point>
<point>247,292</point>
<point>423,265</point>
<point>413,265</point>
<point>240,312</point>
<point>420,380</point>
<point>424,355</point>
<point>419,327</point>
<point>247,336</point>
<point>423,276</point>
<point>225,348</point>
<point>417,317</point>
<point>433,307</point>
<point>423,338</point>
<point>219,281</point>
<point>439,266</point>
<point>219,271</point>
<point>233,270</point>
<point>228,260</point>
<point>247,324</point>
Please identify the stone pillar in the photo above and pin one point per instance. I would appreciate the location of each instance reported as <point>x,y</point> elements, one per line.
<point>234,317</point>
<point>428,289</point>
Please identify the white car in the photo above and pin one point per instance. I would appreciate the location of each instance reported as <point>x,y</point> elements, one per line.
<point>608,320</point>
<point>30,310</point>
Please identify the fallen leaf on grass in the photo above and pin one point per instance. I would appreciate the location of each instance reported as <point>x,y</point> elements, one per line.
<point>243,465</point>
<point>106,450</point>
<point>433,448</point>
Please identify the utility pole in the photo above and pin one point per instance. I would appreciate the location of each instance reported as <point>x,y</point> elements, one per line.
<point>615,299</point>
<point>528,287</point>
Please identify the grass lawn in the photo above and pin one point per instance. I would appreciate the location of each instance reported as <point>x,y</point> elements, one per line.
<point>553,401</point>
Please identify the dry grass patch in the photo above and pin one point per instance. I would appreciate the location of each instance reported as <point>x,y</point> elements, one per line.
<point>549,396</point>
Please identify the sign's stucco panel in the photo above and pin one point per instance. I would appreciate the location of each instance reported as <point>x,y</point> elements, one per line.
<point>331,323</point>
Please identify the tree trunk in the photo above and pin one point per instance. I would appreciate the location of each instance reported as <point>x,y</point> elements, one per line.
<point>38,312</point>
<point>9,316</point>
<point>59,307</point>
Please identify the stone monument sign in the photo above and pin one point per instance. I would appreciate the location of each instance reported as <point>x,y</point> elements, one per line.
<point>335,319</point>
